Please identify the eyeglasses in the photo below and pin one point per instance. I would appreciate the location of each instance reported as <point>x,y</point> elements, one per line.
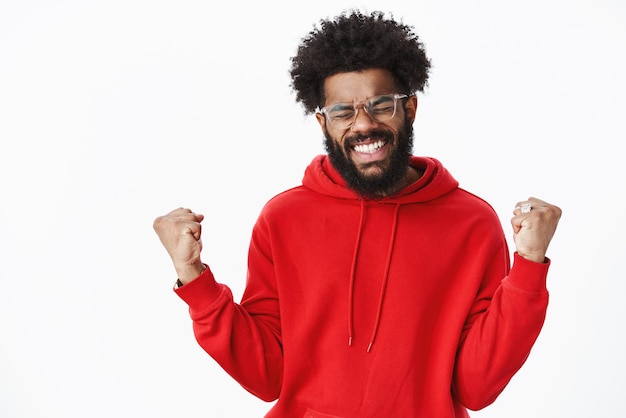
<point>378,108</point>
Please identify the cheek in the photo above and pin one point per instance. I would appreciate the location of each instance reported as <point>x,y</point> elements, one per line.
<point>398,129</point>
<point>337,139</point>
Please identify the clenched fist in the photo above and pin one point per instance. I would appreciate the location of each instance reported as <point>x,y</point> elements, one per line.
<point>179,232</point>
<point>534,223</point>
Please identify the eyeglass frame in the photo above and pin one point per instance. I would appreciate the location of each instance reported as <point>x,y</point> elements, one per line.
<point>356,105</point>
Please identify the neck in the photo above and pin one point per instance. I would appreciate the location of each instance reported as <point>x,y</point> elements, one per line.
<point>412,175</point>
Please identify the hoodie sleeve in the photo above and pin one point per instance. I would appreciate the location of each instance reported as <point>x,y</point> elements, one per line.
<point>500,333</point>
<point>244,338</point>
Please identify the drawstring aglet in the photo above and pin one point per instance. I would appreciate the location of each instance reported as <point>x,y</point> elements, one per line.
<point>350,342</point>
<point>369,347</point>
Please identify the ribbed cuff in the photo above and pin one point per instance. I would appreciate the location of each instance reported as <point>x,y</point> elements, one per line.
<point>202,290</point>
<point>528,275</point>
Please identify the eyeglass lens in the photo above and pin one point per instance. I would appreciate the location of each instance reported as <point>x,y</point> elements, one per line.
<point>379,108</point>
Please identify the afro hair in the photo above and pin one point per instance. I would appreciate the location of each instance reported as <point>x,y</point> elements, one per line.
<point>355,41</point>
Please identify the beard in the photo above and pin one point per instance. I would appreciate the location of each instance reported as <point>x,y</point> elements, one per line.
<point>392,172</point>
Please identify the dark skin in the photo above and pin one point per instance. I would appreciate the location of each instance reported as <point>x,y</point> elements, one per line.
<point>356,87</point>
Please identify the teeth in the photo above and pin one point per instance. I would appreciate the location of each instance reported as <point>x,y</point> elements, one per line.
<point>369,148</point>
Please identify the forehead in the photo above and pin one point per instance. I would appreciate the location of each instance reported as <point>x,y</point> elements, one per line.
<point>358,85</point>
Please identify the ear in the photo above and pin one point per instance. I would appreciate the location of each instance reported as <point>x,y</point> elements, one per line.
<point>411,107</point>
<point>322,121</point>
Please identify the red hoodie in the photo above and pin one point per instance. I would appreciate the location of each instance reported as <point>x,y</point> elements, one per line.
<point>400,307</point>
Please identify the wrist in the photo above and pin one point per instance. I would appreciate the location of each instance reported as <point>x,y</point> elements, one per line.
<point>189,272</point>
<point>537,258</point>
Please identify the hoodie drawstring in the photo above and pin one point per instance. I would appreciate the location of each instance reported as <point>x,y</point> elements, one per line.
<point>353,274</point>
<point>383,288</point>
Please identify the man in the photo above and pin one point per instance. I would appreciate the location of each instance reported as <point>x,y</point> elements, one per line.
<point>377,288</point>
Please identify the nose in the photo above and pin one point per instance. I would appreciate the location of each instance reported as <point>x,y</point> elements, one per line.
<point>363,121</point>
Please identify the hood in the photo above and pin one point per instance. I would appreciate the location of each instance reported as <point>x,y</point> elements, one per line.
<point>321,177</point>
